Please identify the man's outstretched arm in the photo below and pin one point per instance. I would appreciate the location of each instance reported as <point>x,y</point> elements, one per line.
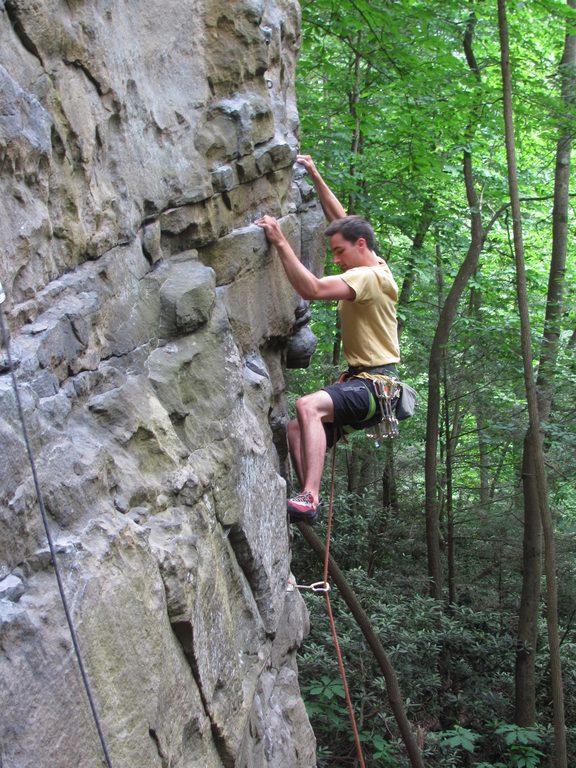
<point>333,208</point>
<point>303,281</point>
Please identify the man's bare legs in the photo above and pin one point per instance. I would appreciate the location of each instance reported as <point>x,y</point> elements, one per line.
<point>307,439</point>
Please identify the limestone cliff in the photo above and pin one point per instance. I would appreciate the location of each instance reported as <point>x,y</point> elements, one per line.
<point>150,326</point>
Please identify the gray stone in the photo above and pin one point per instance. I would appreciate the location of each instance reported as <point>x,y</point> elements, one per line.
<point>224,178</point>
<point>187,297</point>
<point>150,322</point>
<point>301,347</point>
<point>11,588</point>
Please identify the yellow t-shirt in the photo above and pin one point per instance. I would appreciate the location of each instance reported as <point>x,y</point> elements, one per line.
<point>369,325</point>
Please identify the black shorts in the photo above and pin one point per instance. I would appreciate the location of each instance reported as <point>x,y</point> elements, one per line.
<point>355,407</point>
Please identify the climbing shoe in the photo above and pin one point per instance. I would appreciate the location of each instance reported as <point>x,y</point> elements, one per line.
<point>302,509</point>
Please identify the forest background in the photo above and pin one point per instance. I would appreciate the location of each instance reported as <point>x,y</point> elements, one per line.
<point>458,537</point>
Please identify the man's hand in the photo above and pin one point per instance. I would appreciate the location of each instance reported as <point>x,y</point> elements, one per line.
<point>272,230</point>
<point>302,279</point>
<point>333,208</point>
<point>309,164</point>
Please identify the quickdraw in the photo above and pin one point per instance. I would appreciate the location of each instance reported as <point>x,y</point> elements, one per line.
<point>317,586</point>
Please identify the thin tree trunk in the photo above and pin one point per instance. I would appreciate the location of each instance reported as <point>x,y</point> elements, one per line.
<point>450,445</point>
<point>483,457</point>
<point>389,507</point>
<point>337,343</point>
<point>529,609</point>
<point>535,434</point>
<point>525,676</point>
<point>434,374</point>
<point>357,138</point>
<point>439,342</point>
<point>478,409</point>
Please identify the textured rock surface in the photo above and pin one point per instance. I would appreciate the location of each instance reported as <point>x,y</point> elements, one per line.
<point>150,326</point>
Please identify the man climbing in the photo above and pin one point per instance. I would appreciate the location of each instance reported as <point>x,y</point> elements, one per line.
<point>366,293</point>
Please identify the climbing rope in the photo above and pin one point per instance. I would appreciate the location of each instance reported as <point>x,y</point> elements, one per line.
<point>331,617</point>
<point>55,565</point>
<point>324,586</point>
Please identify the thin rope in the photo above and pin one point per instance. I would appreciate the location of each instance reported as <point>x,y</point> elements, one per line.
<point>86,682</point>
<point>333,623</point>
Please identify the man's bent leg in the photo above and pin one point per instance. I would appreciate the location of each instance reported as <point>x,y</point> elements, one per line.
<point>312,411</point>
<point>295,447</point>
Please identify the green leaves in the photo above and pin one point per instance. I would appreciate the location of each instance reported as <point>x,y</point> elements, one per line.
<point>520,745</point>
<point>522,741</point>
<point>327,689</point>
<point>459,738</point>
<point>325,703</point>
<point>391,103</point>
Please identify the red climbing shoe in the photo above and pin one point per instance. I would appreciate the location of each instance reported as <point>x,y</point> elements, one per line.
<point>302,509</point>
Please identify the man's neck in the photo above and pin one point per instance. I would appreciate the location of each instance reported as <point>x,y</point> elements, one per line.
<point>371,260</point>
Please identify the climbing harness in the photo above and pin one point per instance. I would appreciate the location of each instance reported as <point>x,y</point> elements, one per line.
<point>51,546</point>
<point>387,390</point>
<point>325,587</point>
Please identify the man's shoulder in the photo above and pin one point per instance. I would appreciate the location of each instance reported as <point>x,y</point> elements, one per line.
<point>371,281</point>
<point>368,270</point>
<point>354,274</point>
<point>364,280</point>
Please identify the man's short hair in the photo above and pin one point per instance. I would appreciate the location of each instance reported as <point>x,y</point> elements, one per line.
<point>351,228</point>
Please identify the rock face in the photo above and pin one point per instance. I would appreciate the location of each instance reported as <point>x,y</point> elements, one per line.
<point>150,325</point>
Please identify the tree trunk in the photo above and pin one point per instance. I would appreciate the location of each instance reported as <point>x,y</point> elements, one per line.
<point>525,674</point>
<point>525,677</point>
<point>534,433</point>
<point>357,138</point>
<point>478,409</point>
<point>439,343</point>
<point>434,374</point>
<point>451,439</point>
<point>389,506</point>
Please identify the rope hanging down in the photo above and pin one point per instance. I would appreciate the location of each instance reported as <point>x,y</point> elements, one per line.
<point>393,689</point>
<point>324,586</point>
<point>85,681</point>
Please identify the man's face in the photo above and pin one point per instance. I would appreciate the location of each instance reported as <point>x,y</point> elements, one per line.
<point>344,253</point>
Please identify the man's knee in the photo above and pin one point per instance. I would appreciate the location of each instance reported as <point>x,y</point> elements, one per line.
<point>305,406</point>
<point>315,405</point>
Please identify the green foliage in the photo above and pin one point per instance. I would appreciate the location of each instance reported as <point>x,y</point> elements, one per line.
<point>326,707</point>
<point>490,765</point>
<point>323,701</point>
<point>459,738</point>
<point>522,744</point>
<point>382,751</point>
<point>390,106</point>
